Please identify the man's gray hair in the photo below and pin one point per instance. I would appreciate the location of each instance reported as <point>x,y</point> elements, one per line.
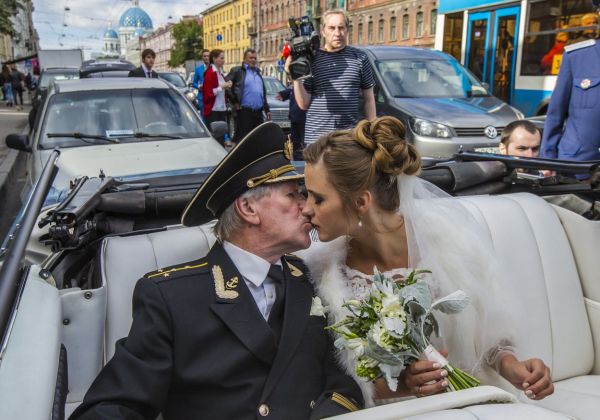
<point>328,13</point>
<point>230,221</point>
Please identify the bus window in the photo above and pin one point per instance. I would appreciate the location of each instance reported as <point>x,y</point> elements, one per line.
<point>453,28</point>
<point>551,26</point>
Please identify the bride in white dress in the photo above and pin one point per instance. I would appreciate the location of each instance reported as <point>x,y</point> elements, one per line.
<point>370,210</point>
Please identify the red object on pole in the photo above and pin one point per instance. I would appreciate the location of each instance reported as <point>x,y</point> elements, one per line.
<point>286,51</point>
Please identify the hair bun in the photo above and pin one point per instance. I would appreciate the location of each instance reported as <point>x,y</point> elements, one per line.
<point>385,137</point>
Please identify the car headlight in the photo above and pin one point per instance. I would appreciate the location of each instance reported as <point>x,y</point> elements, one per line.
<point>430,129</point>
<point>190,95</point>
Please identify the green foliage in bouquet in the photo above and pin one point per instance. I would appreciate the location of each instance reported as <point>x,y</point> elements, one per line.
<point>392,326</point>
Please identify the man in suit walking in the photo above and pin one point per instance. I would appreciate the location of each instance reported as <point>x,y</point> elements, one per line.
<point>572,128</point>
<point>145,70</point>
<point>236,334</point>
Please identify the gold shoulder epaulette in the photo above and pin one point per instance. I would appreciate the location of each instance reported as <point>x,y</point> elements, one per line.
<point>167,272</point>
<point>344,402</point>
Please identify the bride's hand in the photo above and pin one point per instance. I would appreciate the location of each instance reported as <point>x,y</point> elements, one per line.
<point>424,378</point>
<point>531,376</point>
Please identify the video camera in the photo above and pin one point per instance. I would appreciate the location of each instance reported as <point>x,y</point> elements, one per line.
<point>304,45</point>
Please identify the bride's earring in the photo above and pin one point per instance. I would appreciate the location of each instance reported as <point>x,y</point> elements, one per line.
<point>359,222</point>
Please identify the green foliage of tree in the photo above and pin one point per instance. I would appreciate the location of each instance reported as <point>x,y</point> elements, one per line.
<point>188,43</point>
<point>8,8</point>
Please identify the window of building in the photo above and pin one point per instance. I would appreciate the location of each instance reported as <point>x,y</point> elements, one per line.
<point>360,34</point>
<point>419,26</point>
<point>350,33</point>
<point>393,28</point>
<point>277,14</point>
<point>380,31</point>
<point>370,32</point>
<point>550,23</point>
<point>433,22</point>
<point>405,27</point>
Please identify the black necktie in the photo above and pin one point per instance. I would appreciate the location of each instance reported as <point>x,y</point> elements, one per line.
<point>276,314</point>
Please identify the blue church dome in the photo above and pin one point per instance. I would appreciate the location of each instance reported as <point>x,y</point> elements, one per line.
<point>111,33</point>
<point>135,17</point>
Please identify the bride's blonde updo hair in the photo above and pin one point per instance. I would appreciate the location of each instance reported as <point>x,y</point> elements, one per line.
<point>368,157</point>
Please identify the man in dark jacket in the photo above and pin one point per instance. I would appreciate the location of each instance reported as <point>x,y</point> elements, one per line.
<point>297,119</point>
<point>236,334</point>
<point>248,95</point>
<point>145,70</point>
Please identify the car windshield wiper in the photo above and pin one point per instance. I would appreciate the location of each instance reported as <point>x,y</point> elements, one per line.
<point>83,136</point>
<point>140,135</point>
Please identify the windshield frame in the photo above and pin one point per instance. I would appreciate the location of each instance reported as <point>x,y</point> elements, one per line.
<point>133,97</point>
<point>480,91</point>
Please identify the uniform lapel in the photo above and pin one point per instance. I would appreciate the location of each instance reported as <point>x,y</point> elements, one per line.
<point>236,307</point>
<point>298,298</point>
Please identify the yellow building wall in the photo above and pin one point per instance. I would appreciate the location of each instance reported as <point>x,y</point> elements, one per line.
<point>230,19</point>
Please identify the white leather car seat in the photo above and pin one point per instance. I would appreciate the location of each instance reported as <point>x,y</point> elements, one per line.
<point>544,261</point>
<point>125,259</point>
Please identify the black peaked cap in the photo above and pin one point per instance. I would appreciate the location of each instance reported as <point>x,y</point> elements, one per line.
<point>262,157</point>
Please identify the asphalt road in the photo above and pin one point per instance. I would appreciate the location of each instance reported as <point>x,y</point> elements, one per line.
<point>11,121</point>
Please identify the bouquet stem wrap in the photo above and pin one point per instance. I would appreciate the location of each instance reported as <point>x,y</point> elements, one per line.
<point>457,378</point>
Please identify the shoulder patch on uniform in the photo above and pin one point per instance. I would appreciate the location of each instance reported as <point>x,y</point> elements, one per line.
<point>177,269</point>
<point>580,45</point>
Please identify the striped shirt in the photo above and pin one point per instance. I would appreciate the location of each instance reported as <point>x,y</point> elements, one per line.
<point>338,78</point>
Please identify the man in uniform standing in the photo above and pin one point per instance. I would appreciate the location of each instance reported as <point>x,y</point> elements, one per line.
<point>236,334</point>
<point>572,128</point>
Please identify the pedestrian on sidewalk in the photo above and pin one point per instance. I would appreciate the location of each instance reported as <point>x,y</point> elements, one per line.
<point>6,83</point>
<point>18,80</point>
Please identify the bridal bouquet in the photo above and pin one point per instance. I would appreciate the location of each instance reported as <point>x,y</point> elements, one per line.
<point>391,328</point>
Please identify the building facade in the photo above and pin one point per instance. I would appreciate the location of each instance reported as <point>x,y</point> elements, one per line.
<point>161,41</point>
<point>25,42</point>
<point>408,22</point>
<point>226,27</point>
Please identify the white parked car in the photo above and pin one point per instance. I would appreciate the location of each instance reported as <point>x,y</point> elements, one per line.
<point>118,127</point>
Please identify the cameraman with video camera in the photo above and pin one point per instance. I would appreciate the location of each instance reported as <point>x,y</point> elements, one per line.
<point>339,73</point>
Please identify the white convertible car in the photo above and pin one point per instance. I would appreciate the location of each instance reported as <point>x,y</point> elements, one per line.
<point>69,270</point>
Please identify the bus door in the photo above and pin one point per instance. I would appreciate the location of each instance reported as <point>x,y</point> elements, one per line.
<point>490,54</point>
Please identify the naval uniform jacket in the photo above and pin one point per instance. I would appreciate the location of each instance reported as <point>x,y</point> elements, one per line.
<point>199,348</point>
<point>572,128</point>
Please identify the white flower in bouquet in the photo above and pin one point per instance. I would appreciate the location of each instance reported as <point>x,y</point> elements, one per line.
<point>392,326</point>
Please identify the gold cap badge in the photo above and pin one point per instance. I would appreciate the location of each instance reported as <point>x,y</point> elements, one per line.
<point>288,149</point>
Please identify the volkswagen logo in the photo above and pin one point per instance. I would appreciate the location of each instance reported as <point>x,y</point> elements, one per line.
<point>491,132</point>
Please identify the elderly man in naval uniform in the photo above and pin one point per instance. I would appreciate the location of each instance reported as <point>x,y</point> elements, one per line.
<point>236,334</point>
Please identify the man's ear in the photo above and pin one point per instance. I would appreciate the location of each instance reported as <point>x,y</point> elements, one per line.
<point>363,202</point>
<point>247,209</point>
<point>503,149</point>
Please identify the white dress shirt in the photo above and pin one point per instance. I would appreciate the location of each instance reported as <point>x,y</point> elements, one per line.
<point>147,72</point>
<point>254,271</point>
<point>219,93</point>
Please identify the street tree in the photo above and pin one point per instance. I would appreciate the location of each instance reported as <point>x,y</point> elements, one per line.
<point>188,43</point>
<point>8,8</point>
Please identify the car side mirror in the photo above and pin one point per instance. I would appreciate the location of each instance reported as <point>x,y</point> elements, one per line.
<point>218,130</point>
<point>18,142</point>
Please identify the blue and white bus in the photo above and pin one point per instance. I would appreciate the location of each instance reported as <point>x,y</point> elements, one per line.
<point>514,46</point>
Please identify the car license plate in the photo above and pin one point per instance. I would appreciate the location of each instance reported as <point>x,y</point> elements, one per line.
<point>494,150</point>
<point>283,124</point>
